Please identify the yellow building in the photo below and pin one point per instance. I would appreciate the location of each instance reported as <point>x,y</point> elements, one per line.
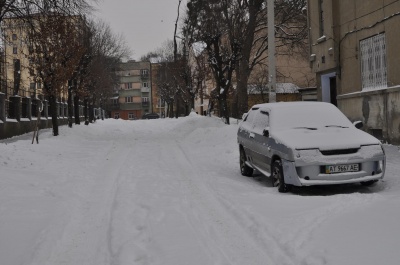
<point>354,54</point>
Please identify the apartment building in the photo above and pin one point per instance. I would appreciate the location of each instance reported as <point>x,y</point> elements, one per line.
<point>132,98</point>
<point>354,54</point>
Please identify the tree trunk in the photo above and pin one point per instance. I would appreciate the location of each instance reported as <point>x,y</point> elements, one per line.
<point>77,114</point>
<point>234,106</point>
<point>70,106</point>
<point>223,107</point>
<point>53,110</point>
<point>241,90</point>
<point>91,112</point>
<point>85,111</point>
<point>177,107</point>
<point>243,70</point>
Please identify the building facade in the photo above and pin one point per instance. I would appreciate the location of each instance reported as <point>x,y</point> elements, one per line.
<point>354,54</point>
<point>133,97</point>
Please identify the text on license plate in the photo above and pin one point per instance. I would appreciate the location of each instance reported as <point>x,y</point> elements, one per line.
<point>341,168</point>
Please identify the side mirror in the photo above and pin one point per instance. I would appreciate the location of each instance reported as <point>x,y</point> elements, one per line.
<point>266,132</point>
<point>244,116</point>
<point>358,124</point>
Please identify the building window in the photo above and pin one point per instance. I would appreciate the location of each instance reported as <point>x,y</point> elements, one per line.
<point>131,116</point>
<point>373,62</point>
<point>14,37</point>
<point>32,86</point>
<point>128,99</point>
<point>145,84</point>
<point>321,17</point>
<point>145,99</point>
<point>128,85</point>
<point>160,103</point>
<point>15,50</point>
<point>144,72</point>
<point>116,115</point>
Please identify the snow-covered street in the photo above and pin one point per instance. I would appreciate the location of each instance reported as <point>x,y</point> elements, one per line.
<point>170,192</point>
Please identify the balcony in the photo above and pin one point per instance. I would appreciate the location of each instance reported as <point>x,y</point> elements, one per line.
<point>145,89</point>
<point>144,76</point>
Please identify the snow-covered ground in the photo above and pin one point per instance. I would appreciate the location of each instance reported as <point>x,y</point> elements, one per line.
<point>169,192</point>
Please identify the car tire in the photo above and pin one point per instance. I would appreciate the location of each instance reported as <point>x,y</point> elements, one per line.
<point>244,168</point>
<point>278,178</point>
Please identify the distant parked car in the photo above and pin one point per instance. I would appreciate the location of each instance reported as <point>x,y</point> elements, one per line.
<point>307,143</point>
<point>149,116</point>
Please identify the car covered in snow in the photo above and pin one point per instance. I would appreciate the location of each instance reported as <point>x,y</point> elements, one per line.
<point>307,143</point>
<point>150,116</point>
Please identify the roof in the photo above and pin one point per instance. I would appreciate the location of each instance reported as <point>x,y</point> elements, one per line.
<point>294,104</point>
<point>133,65</point>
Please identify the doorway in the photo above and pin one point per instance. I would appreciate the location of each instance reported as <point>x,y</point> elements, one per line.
<point>328,88</point>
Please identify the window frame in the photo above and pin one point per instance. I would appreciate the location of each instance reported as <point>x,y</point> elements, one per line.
<point>373,62</point>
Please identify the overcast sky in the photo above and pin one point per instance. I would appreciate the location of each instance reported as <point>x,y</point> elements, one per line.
<point>146,24</point>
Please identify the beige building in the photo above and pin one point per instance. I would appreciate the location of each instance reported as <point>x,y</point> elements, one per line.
<point>292,67</point>
<point>16,60</point>
<point>132,99</point>
<point>354,54</point>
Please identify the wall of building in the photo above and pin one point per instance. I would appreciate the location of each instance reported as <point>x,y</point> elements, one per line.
<point>352,22</point>
<point>131,102</point>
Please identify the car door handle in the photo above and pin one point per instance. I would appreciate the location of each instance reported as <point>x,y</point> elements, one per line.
<point>251,135</point>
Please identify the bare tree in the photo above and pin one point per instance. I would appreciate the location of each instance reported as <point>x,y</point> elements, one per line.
<point>236,31</point>
<point>207,22</point>
<point>164,53</point>
<point>97,77</point>
<point>290,32</point>
<point>55,50</point>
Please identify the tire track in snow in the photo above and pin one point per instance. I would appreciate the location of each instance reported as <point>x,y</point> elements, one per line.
<point>283,246</point>
<point>85,238</point>
<point>292,235</point>
<point>220,223</point>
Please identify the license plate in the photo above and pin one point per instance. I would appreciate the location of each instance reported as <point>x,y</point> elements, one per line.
<point>341,168</point>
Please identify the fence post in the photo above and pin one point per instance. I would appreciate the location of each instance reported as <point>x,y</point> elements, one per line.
<point>15,108</point>
<point>45,109</point>
<point>3,107</point>
<point>27,108</point>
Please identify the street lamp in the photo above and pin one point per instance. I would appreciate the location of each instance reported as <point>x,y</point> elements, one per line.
<point>271,51</point>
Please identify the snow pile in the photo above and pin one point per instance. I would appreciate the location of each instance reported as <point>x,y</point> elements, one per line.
<point>169,191</point>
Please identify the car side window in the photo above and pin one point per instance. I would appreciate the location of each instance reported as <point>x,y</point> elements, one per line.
<point>248,122</point>
<point>261,122</point>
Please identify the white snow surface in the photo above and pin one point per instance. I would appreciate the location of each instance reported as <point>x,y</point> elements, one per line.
<point>169,192</point>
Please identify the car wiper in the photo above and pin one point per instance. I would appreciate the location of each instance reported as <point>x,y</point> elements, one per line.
<point>336,126</point>
<point>308,128</point>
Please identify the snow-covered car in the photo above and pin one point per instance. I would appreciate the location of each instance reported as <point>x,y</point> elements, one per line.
<point>307,143</point>
<point>150,116</point>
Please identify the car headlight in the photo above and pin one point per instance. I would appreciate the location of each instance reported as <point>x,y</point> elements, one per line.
<point>379,166</point>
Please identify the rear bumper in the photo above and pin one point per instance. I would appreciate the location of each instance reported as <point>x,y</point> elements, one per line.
<point>291,176</point>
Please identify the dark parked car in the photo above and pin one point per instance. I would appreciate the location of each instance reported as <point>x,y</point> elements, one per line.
<point>149,116</point>
<point>307,143</point>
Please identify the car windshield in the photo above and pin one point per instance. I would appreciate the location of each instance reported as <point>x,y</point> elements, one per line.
<point>312,117</point>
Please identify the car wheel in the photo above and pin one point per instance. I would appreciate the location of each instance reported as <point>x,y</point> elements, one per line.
<point>244,169</point>
<point>369,183</point>
<point>277,177</point>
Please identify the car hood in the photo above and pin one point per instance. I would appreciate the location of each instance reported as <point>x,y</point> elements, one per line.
<point>324,138</point>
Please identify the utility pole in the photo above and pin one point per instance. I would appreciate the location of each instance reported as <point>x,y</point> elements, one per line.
<point>271,51</point>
